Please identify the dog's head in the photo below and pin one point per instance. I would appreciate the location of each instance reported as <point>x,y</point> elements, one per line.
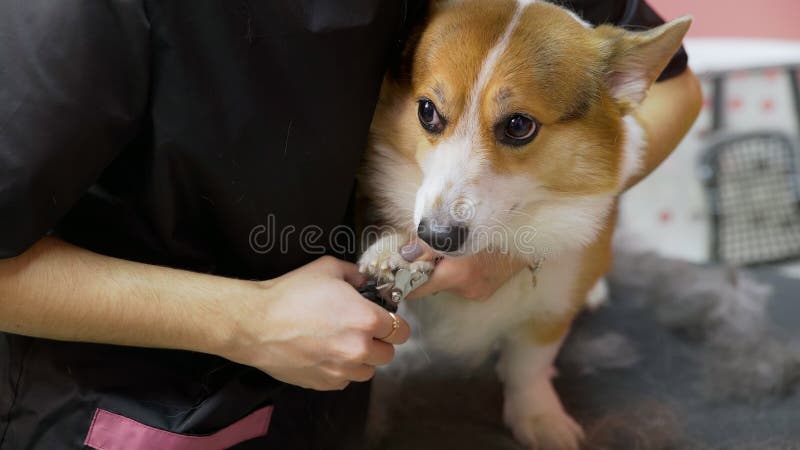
<point>516,114</point>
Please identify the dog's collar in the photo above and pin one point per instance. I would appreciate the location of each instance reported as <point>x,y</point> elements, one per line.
<point>535,268</point>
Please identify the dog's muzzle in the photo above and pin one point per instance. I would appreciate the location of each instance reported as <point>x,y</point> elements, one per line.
<point>447,237</point>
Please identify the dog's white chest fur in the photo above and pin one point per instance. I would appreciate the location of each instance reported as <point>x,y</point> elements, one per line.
<point>467,328</point>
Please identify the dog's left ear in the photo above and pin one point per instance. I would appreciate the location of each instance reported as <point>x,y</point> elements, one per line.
<point>636,58</point>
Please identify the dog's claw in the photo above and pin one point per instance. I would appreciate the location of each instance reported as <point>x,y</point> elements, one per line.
<point>383,259</point>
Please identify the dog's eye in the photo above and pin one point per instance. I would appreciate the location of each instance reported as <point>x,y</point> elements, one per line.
<point>517,129</point>
<point>429,117</point>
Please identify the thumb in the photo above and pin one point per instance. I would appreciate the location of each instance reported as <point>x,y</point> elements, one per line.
<point>444,278</point>
<point>416,250</point>
<point>440,279</point>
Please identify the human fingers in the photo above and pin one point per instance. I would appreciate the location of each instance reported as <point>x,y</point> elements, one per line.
<point>380,353</point>
<point>339,375</point>
<point>361,372</point>
<point>392,329</point>
<point>449,274</point>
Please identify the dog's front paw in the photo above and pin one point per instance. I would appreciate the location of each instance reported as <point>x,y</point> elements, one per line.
<point>383,259</point>
<point>541,428</point>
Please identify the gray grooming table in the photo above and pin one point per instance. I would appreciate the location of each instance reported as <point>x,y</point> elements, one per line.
<point>656,403</point>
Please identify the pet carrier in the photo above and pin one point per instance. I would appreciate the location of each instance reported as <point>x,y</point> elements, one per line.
<point>754,198</point>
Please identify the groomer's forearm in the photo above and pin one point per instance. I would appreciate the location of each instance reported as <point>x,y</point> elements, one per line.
<point>666,115</point>
<point>58,291</point>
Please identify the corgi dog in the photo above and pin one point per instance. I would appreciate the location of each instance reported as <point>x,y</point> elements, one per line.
<point>512,134</point>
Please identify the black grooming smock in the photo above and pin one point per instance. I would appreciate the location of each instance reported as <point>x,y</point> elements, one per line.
<point>187,133</point>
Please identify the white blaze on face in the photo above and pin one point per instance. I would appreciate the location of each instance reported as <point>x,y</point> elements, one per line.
<point>458,161</point>
<point>444,171</point>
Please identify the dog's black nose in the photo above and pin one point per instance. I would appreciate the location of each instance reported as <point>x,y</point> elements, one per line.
<point>442,237</point>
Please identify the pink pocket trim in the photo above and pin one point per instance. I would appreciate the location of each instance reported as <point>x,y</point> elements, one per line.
<point>111,431</point>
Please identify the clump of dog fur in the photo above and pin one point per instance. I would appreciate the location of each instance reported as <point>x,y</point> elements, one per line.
<point>722,310</point>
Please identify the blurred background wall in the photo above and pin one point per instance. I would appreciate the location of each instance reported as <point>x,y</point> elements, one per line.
<point>725,18</point>
<point>747,55</point>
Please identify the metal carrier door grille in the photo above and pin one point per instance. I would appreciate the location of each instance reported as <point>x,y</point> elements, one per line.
<point>752,182</point>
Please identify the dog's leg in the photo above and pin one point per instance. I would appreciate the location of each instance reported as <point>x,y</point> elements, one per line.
<point>383,258</point>
<point>532,409</point>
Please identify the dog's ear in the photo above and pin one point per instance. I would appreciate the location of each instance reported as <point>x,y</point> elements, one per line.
<point>636,58</point>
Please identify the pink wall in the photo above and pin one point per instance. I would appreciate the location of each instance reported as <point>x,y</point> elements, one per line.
<point>736,18</point>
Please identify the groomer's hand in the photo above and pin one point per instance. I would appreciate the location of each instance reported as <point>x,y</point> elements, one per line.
<point>313,329</point>
<point>475,277</point>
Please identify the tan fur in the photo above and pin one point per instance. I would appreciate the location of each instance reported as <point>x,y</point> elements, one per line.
<point>596,262</point>
<point>579,84</point>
